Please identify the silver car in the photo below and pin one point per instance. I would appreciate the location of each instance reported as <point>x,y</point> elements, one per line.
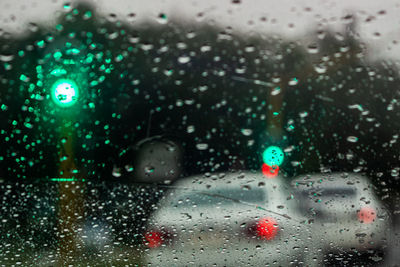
<point>343,213</point>
<point>225,220</point>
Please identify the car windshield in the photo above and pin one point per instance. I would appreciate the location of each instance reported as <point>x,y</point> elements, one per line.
<point>286,111</point>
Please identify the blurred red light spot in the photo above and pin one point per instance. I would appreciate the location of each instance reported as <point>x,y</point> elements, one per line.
<point>366,215</point>
<point>267,228</point>
<point>153,239</point>
<point>270,171</point>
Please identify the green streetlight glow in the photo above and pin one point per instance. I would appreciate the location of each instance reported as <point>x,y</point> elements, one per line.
<point>273,156</point>
<point>65,92</point>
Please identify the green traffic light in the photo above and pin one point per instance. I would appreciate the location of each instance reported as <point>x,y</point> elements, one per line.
<point>65,92</point>
<point>273,156</point>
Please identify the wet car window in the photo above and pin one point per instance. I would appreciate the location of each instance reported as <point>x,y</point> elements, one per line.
<point>201,133</point>
<point>228,197</point>
<point>330,199</point>
<point>337,192</point>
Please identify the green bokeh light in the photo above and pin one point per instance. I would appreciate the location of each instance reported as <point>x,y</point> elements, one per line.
<point>273,156</point>
<point>65,92</point>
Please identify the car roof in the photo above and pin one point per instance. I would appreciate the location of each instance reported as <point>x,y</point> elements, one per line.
<point>276,190</point>
<point>230,180</point>
<point>337,179</point>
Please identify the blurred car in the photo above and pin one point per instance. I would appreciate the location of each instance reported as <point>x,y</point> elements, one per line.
<point>343,212</point>
<point>225,220</point>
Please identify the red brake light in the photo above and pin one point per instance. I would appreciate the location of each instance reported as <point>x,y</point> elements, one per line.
<point>366,215</point>
<point>265,229</point>
<point>154,239</point>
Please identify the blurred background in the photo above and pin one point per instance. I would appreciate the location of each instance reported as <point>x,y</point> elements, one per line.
<point>164,90</point>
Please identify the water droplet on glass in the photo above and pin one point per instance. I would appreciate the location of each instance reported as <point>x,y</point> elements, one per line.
<point>312,48</point>
<point>162,18</point>
<point>131,17</point>
<point>191,129</point>
<point>202,146</point>
<point>171,148</point>
<point>352,139</point>
<point>303,114</point>
<point>247,132</point>
<point>295,163</point>
<point>394,173</point>
<point>112,17</point>
<point>129,168</point>
<point>116,172</point>
<point>183,59</point>
<point>6,58</point>
<point>149,170</point>
<point>293,81</point>
<point>205,48</point>
<point>320,68</point>
<point>276,91</point>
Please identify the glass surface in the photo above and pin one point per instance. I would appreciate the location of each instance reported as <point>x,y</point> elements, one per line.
<point>287,112</point>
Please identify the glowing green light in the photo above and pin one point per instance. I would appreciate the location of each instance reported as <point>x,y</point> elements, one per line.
<point>24,78</point>
<point>65,93</point>
<point>88,15</point>
<point>58,72</point>
<point>273,156</point>
<point>66,179</point>
<point>57,55</point>
<point>40,43</point>
<point>73,51</point>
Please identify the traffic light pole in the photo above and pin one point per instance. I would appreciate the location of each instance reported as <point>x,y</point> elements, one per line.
<point>275,116</point>
<point>71,201</point>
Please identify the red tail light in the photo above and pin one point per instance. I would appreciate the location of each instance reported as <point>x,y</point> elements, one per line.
<point>154,239</point>
<point>270,171</point>
<point>366,215</point>
<point>265,229</point>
